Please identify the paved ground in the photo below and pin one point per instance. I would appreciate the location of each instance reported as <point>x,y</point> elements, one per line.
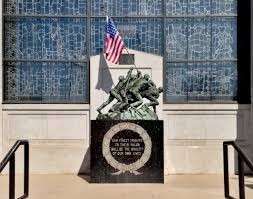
<point>77,187</point>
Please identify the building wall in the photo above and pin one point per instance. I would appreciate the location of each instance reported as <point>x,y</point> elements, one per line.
<point>193,134</point>
<point>59,134</point>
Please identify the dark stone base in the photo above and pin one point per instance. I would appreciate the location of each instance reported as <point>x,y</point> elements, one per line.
<point>127,151</point>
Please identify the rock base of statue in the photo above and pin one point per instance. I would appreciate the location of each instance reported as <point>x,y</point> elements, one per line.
<point>127,151</point>
<point>142,113</point>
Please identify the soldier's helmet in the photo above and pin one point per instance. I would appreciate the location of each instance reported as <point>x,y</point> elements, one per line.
<point>121,78</point>
<point>160,89</point>
<point>146,76</point>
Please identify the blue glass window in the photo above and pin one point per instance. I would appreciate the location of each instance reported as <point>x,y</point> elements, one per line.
<point>201,81</point>
<point>224,38</point>
<point>45,38</point>
<point>45,51</point>
<point>46,7</point>
<point>224,80</point>
<point>200,7</point>
<point>224,7</point>
<point>176,82</point>
<point>201,50</point>
<point>47,44</point>
<point>127,7</point>
<point>199,39</point>
<point>176,40</point>
<point>46,82</point>
<point>176,7</point>
<point>139,34</point>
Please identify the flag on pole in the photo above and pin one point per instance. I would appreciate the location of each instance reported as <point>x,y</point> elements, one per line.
<point>114,44</point>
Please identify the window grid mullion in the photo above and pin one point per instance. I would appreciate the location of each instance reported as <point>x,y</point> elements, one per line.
<point>30,99</point>
<point>211,16</point>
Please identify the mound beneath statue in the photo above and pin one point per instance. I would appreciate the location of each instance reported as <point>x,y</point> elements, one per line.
<point>142,113</point>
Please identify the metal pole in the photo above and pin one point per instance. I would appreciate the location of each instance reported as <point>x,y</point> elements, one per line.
<point>26,169</point>
<point>12,177</point>
<point>226,172</point>
<point>241,177</point>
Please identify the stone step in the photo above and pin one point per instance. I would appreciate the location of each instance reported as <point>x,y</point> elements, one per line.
<point>49,186</point>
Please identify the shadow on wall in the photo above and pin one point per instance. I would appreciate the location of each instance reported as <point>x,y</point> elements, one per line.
<point>85,166</point>
<point>104,84</point>
<point>84,170</point>
<point>245,133</point>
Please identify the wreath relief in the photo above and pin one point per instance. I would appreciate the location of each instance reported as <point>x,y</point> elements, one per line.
<point>133,167</point>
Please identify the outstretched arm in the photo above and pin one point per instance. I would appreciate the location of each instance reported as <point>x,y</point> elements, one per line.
<point>128,75</point>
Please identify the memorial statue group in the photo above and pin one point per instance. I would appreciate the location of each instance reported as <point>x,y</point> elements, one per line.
<point>130,91</point>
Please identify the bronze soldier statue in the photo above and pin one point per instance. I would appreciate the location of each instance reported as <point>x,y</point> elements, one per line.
<point>129,93</point>
<point>135,88</point>
<point>134,79</point>
<point>124,104</point>
<point>152,94</point>
<point>117,92</point>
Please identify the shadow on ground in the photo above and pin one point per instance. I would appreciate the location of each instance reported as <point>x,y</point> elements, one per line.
<point>84,171</point>
<point>84,177</point>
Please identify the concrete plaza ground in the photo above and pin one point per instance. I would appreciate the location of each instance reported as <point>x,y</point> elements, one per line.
<point>78,187</point>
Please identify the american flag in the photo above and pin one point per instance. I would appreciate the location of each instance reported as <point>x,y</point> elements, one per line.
<point>114,44</point>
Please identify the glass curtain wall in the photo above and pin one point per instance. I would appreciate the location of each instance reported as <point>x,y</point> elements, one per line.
<point>200,50</point>
<point>47,44</point>
<point>45,51</point>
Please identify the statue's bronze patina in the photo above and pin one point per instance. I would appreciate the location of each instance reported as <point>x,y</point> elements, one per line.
<point>129,93</point>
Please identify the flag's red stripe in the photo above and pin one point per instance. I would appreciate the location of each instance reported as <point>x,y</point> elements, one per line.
<point>119,51</point>
<point>117,57</point>
<point>116,49</point>
<point>108,43</point>
<point>111,49</point>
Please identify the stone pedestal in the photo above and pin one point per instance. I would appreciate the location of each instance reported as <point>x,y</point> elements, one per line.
<point>127,151</point>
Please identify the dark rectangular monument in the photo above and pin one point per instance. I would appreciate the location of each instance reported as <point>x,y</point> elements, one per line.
<point>125,151</point>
